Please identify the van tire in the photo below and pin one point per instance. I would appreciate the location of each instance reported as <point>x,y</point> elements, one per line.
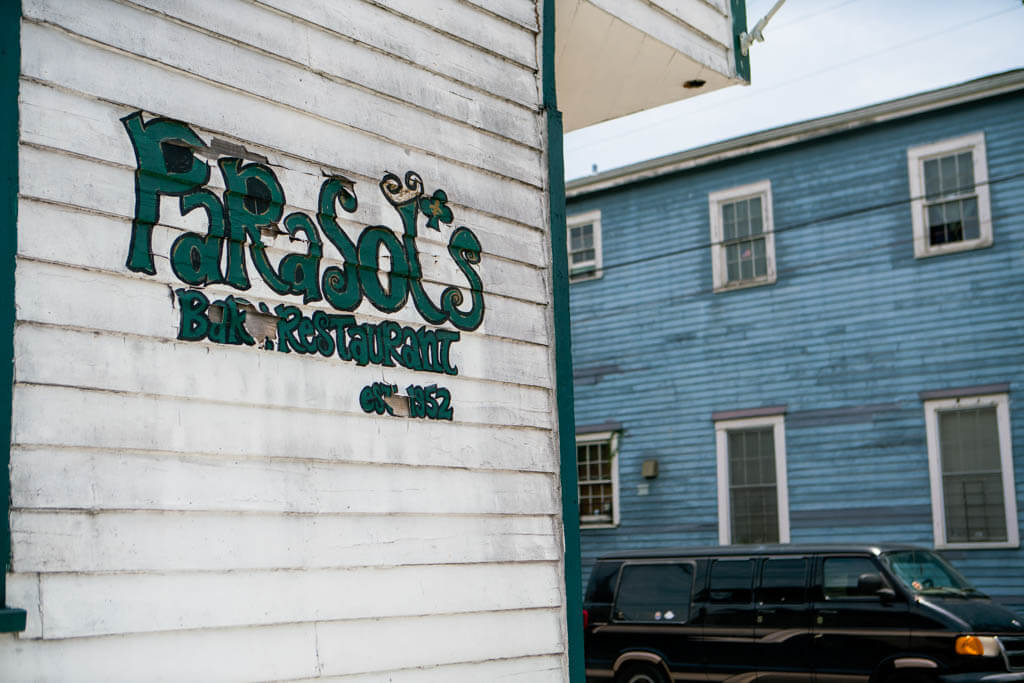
<point>640,673</point>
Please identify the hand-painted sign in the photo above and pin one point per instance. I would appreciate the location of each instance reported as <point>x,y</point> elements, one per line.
<point>252,202</point>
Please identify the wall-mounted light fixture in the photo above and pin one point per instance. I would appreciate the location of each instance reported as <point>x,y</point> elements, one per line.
<point>649,469</point>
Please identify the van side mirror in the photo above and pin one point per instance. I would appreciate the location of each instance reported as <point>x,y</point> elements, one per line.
<point>872,584</point>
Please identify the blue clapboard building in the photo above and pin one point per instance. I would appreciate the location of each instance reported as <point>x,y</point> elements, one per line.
<point>811,334</point>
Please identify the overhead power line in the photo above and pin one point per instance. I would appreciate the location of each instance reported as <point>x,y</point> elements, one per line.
<point>817,220</point>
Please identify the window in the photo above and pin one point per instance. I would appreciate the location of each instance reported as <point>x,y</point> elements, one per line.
<point>753,500</point>
<point>584,234</point>
<point>655,592</point>
<point>842,574</point>
<point>971,467</point>
<point>949,196</point>
<point>598,478</point>
<point>783,581</point>
<point>742,236</point>
<point>731,582</point>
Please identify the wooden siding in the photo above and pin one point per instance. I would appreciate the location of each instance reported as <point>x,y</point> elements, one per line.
<point>852,331</point>
<point>189,510</point>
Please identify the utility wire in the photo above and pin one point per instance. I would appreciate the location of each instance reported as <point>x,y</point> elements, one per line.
<point>581,313</point>
<point>803,224</point>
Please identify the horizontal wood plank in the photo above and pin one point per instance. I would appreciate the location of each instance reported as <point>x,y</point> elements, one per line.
<point>350,647</point>
<point>83,605</point>
<point>166,541</point>
<point>542,669</point>
<point>93,480</point>
<point>240,654</point>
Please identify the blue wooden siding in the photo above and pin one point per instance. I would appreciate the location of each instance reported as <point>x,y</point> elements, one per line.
<point>852,331</point>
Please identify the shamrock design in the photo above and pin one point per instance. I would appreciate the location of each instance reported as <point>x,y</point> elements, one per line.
<point>436,209</point>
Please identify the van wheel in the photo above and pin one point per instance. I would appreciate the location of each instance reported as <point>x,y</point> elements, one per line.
<point>640,673</point>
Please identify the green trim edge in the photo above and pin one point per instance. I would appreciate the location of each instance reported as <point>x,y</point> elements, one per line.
<point>739,26</point>
<point>11,619</point>
<point>563,353</point>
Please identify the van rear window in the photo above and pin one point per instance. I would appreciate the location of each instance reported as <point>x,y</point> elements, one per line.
<point>655,592</point>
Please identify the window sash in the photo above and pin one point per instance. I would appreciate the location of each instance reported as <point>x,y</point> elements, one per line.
<point>950,208</point>
<point>742,238</point>
<point>583,237</point>
<point>597,480</point>
<point>970,464</point>
<point>753,497</point>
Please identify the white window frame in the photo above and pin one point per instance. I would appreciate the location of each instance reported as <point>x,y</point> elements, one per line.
<point>719,269</point>
<point>916,156</point>
<point>722,429</point>
<point>612,439</point>
<point>576,220</point>
<point>932,408</point>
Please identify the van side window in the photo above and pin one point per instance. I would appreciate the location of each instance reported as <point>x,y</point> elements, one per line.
<point>654,592</point>
<point>783,581</point>
<point>842,574</point>
<point>731,581</point>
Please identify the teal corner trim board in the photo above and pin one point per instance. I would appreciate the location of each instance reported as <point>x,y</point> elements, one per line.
<point>739,26</point>
<point>11,619</point>
<point>563,353</point>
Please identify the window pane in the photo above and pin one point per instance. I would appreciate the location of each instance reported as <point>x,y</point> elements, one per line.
<point>842,574</point>
<point>783,581</point>
<point>741,216</point>
<point>583,256</point>
<point>969,208</point>
<point>965,172</point>
<point>656,592</point>
<point>931,178</point>
<point>947,170</point>
<point>731,581</point>
<point>729,221</point>
<point>972,481</point>
<point>756,227</point>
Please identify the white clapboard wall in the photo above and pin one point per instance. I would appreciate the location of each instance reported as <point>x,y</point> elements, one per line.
<point>198,511</point>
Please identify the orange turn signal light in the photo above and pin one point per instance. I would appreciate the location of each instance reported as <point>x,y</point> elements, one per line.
<point>977,646</point>
<point>969,645</point>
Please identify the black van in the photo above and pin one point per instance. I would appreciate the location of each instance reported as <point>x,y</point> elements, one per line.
<point>827,613</point>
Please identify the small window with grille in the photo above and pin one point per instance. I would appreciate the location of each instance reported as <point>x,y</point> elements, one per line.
<point>973,494</point>
<point>598,478</point>
<point>742,237</point>
<point>949,196</point>
<point>584,237</point>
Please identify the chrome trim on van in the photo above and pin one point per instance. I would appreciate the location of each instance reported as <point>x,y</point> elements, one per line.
<point>914,663</point>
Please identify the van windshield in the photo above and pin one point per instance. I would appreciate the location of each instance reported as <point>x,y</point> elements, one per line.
<point>925,573</point>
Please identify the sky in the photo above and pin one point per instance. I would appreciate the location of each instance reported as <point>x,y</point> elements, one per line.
<point>819,57</point>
